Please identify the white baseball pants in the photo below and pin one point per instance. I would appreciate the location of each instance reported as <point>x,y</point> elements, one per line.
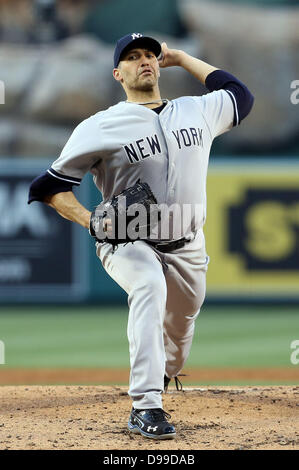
<point>165,293</point>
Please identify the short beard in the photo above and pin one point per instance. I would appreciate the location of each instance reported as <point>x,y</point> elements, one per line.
<point>146,86</point>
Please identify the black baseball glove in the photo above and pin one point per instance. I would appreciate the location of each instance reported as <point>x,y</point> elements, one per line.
<point>125,226</point>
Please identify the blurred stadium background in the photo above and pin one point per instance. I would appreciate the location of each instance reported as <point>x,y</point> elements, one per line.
<point>62,319</point>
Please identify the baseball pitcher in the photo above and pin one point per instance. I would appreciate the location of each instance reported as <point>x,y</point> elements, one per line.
<point>149,155</point>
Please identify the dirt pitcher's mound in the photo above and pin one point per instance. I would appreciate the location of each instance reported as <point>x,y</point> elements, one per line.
<point>95,417</point>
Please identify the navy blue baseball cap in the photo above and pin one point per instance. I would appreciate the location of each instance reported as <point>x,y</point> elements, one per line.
<point>135,39</point>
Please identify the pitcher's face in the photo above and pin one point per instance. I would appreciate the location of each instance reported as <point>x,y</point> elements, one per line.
<point>138,70</point>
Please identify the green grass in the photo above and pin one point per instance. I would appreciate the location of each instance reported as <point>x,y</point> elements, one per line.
<point>255,337</point>
<point>64,337</point>
<point>96,337</point>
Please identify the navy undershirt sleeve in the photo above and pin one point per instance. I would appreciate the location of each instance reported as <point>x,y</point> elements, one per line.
<point>241,97</point>
<point>48,185</point>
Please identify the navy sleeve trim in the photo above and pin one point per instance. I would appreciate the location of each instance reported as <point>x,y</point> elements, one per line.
<point>236,113</point>
<point>241,97</point>
<point>47,184</point>
<point>69,179</point>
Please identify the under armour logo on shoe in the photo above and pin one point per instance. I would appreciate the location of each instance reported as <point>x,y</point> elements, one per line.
<point>149,428</point>
<point>136,35</point>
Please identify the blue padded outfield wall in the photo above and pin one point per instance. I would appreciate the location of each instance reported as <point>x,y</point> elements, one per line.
<point>252,237</point>
<point>43,257</point>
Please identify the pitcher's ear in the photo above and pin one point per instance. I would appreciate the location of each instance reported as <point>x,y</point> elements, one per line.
<point>117,75</point>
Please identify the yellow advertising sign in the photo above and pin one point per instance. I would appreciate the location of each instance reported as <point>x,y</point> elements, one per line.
<point>252,229</point>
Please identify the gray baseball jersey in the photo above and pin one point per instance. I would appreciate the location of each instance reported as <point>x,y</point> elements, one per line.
<point>169,151</point>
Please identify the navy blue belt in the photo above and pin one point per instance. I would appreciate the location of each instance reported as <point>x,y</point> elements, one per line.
<point>166,246</point>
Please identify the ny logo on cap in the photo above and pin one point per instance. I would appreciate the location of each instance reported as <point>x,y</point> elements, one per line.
<point>136,35</point>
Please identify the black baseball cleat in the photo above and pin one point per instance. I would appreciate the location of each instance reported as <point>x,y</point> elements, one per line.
<point>178,383</point>
<point>151,423</point>
<point>166,383</point>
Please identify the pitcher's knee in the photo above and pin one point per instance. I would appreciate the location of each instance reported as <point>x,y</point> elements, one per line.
<point>151,290</point>
<point>154,286</point>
